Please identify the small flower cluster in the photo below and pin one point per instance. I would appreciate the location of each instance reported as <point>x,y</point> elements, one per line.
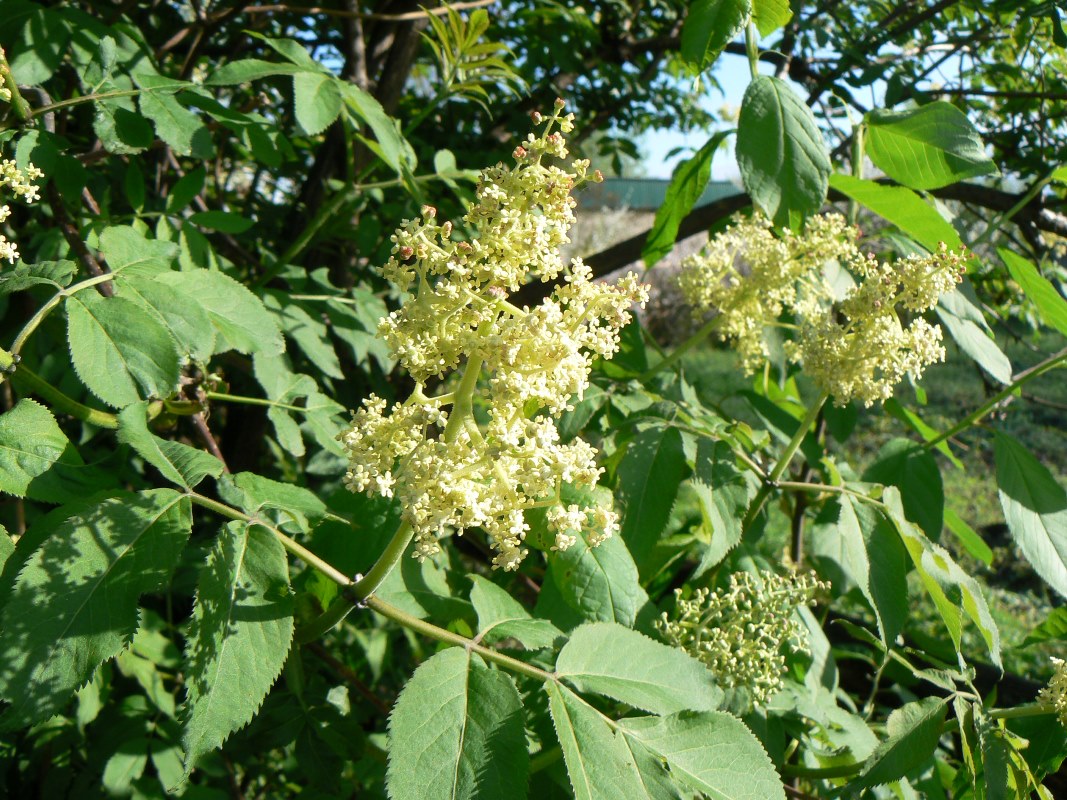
<point>740,633</point>
<point>5,94</point>
<point>859,347</point>
<point>449,471</point>
<point>1055,694</point>
<point>21,184</point>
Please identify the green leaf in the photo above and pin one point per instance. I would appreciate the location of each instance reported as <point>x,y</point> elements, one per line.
<point>689,181</point>
<point>903,207</point>
<point>770,15</point>
<point>976,343</point>
<point>119,349</point>
<point>711,752</point>
<point>74,604</point>
<point>954,592</point>
<point>914,731</point>
<point>321,414</point>
<point>180,463</point>
<point>7,547</point>
<point>311,335</point>
<point>23,276</point>
<point>247,70</point>
<point>243,324</point>
<point>316,101</point>
<point>781,153</point>
<point>253,493</point>
<point>914,471</point>
<point>968,537</point>
<point>393,148</point>
<point>649,475</point>
<point>709,26</point>
<point>125,766</point>
<point>602,765</point>
<point>926,147</point>
<point>128,250</point>
<point>225,221</point>
<point>724,494</point>
<point>180,313</point>
<point>37,460</point>
<point>241,630</point>
<point>600,583</point>
<point>457,731</point>
<point>608,659</point>
<point>175,124</point>
<point>1050,303</point>
<point>501,616</point>
<point>1035,508</point>
<point>1054,628</point>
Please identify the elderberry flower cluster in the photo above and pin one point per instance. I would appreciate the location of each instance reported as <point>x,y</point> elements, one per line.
<point>741,633</point>
<point>1055,694</point>
<point>21,184</point>
<point>450,470</point>
<point>860,347</point>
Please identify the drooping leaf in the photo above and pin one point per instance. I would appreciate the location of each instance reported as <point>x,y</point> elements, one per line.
<point>121,352</point>
<point>241,631</point>
<point>392,147</point>
<point>456,732</point>
<point>711,752</point>
<point>180,463</point>
<point>612,660</point>
<point>74,604</point>
<point>1050,303</point>
<point>926,147</point>
<point>243,324</point>
<point>316,101</point>
<point>23,276</point>
<point>599,583</point>
<point>501,616</point>
<point>976,343</point>
<point>709,26</point>
<point>181,314</point>
<point>311,335</point>
<point>914,731</point>
<point>689,181</point>
<point>649,475</point>
<point>1035,508</point>
<point>37,460</point>
<point>903,207</point>
<point>600,763</point>
<point>914,471</point>
<point>781,153</point>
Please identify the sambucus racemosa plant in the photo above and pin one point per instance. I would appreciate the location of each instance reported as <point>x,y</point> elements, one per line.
<point>639,625</point>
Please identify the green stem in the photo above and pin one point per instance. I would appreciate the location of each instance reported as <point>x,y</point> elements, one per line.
<point>701,334</point>
<point>1041,368</point>
<point>1031,710</point>
<point>54,301</point>
<point>250,401</point>
<point>840,771</point>
<point>783,462</point>
<point>462,406</point>
<point>1023,201</point>
<point>86,98</point>
<point>29,381</point>
<point>545,758</point>
<point>752,49</point>
<point>390,557</point>
<point>7,78</point>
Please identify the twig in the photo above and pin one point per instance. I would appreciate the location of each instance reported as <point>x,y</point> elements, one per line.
<point>200,423</point>
<point>407,16</point>
<point>75,241</point>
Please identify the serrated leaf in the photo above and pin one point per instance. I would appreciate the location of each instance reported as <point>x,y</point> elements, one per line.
<point>120,351</point>
<point>181,314</point>
<point>781,153</point>
<point>225,221</point>
<point>903,207</point>
<point>74,604</point>
<point>501,616</point>
<point>600,583</point>
<point>316,101</point>
<point>926,147</point>
<point>456,732</point>
<point>724,493</point>
<point>600,763</point>
<point>977,344</point>
<point>955,593</point>
<point>392,148</point>
<point>914,471</point>
<point>247,70</point>
<point>180,463</point>
<point>243,324</point>
<point>37,460</point>
<point>688,182</point>
<point>253,493</point>
<point>709,26</point>
<point>127,249</point>
<point>770,15</point>
<point>175,124</point>
<point>1035,509</point>
<point>914,731</point>
<point>711,752</point>
<point>7,547</point>
<point>241,631</point>
<point>649,475</point>
<point>311,335</point>
<point>612,660</point>
<point>125,766</point>
<point>23,276</point>
<point>1050,303</point>
<point>1054,627</point>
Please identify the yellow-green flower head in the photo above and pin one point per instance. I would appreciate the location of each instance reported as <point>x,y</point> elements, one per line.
<point>742,633</point>
<point>1055,694</point>
<point>449,472</point>
<point>21,184</point>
